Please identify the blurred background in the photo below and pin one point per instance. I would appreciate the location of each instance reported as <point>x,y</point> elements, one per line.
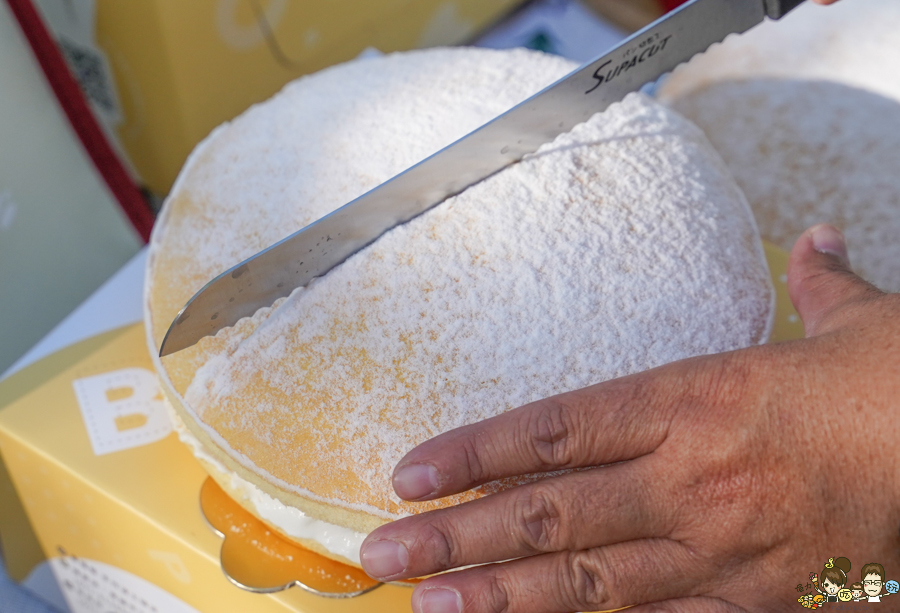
<point>101,101</point>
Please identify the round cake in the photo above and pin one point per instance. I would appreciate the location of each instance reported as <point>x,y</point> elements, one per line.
<point>806,114</point>
<point>622,245</point>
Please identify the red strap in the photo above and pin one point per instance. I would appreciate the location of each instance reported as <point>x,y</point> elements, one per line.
<point>669,5</point>
<point>82,118</point>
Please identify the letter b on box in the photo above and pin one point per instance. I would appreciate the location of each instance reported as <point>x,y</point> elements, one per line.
<point>122,409</point>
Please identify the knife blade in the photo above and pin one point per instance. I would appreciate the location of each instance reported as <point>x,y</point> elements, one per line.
<point>314,250</point>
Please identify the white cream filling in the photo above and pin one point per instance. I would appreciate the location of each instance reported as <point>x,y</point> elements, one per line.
<point>293,522</point>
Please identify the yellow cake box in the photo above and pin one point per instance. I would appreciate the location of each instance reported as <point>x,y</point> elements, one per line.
<point>161,74</point>
<point>100,491</point>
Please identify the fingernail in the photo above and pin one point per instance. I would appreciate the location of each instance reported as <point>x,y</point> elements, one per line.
<point>440,600</point>
<point>829,240</point>
<point>384,558</point>
<point>416,481</point>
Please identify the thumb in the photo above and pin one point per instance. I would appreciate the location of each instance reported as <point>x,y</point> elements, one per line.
<point>820,282</point>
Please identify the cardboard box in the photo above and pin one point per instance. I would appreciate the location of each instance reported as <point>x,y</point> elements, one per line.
<point>163,73</point>
<point>98,489</point>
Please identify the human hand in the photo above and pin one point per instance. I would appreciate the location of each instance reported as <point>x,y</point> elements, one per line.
<point>706,483</point>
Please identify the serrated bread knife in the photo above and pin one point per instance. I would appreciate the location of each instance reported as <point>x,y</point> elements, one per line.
<point>311,252</point>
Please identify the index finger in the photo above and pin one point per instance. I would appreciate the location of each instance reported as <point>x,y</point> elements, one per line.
<point>609,422</point>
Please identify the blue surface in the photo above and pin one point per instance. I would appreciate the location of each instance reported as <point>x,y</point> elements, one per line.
<point>16,599</point>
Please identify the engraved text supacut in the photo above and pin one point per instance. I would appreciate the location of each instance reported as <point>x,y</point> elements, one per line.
<point>637,55</point>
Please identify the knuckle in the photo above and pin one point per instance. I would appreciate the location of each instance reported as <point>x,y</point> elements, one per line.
<point>473,463</point>
<point>497,593</point>
<point>436,538</point>
<point>836,286</point>
<point>818,280</point>
<point>549,432</point>
<point>655,393</point>
<point>537,519</point>
<point>850,308</point>
<point>834,278</point>
<point>585,581</point>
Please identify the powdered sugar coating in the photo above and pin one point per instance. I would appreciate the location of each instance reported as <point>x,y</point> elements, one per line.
<point>623,245</point>
<point>806,113</point>
<point>290,156</point>
<point>807,152</point>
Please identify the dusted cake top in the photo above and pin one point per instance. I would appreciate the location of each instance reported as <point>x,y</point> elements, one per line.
<point>806,113</point>
<point>622,245</point>
<point>805,152</point>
